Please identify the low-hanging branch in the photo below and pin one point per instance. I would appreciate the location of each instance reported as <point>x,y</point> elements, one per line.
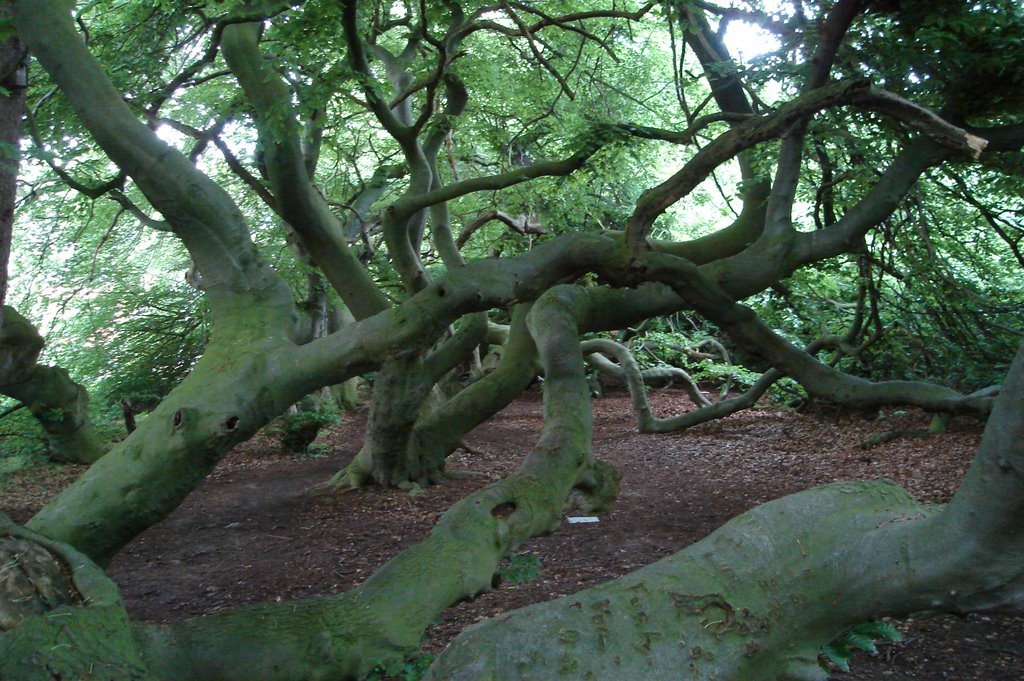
<point>705,411</point>
<point>747,330</point>
<point>359,629</point>
<point>629,371</point>
<point>756,600</point>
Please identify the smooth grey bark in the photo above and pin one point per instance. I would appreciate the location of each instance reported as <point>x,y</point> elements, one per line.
<point>758,598</point>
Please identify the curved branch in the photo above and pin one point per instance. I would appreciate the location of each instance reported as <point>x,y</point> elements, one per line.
<point>358,629</point>
<point>409,205</point>
<point>59,404</point>
<point>753,131</point>
<point>298,201</point>
<point>437,434</point>
<point>629,372</point>
<point>475,23</point>
<point>760,592</point>
<point>470,333</point>
<point>747,330</point>
<point>357,60</point>
<point>200,212</point>
<point>520,225</point>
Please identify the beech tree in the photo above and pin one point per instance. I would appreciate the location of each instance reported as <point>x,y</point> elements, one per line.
<point>866,115</point>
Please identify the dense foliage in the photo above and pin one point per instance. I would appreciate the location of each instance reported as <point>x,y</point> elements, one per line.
<point>938,282</point>
<point>231,208</point>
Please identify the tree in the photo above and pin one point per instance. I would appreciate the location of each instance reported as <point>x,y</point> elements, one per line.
<point>319,80</point>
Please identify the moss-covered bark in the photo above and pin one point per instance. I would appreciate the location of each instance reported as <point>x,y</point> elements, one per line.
<point>402,391</point>
<point>752,601</point>
<point>383,619</point>
<point>296,197</point>
<point>755,601</point>
<point>745,328</point>
<point>60,617</point>
<point>59,404</point>
<point>438,433</point>
<point>229,395</point>
<point>240,382</point>
<point>759,597</point>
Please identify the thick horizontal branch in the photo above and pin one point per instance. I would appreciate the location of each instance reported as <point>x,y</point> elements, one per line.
<point>756,600</point>
<point>921,119</point>
<point>687,136</point>
<point>746,329</point>
<point>383,619</point>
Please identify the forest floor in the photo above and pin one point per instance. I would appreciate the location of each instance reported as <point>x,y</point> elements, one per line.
<point>251,532</point>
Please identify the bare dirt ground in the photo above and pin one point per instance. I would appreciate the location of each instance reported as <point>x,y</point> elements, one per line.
<point>250,533</point>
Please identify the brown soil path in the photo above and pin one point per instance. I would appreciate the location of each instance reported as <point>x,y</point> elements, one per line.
<point>251,534</point>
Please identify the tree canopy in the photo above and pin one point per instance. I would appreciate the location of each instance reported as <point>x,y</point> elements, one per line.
<point>228,208</point>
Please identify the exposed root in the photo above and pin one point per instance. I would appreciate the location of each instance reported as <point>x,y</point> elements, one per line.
<point>939,424</point>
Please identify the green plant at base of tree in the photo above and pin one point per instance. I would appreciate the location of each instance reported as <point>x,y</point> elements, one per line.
<point>298,431</point>
<point>861,637</point>
<point>412,669</point>
<point>520,568</point>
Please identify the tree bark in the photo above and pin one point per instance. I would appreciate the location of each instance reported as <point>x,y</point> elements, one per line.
<point>14,79</point>
<point>437,434</point>
<point>59,404</point>
<point>758,598</point>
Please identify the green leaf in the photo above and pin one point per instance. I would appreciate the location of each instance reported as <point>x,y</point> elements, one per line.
<point>838,654</point>
<point>885,631</point>
<point>860,642</point>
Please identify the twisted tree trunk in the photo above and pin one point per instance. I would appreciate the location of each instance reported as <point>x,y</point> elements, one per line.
<point>384,618</point>
<point>758,598</point>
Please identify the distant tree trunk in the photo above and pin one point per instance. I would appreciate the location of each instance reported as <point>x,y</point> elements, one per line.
<point>346,395</point>
<point>13,78</point>
<point>438,433</point>
<point>402,391</point>
<point>133,406</point>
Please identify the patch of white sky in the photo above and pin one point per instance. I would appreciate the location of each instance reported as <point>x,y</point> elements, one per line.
<point>747,40</point>
<point>713,204</point>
